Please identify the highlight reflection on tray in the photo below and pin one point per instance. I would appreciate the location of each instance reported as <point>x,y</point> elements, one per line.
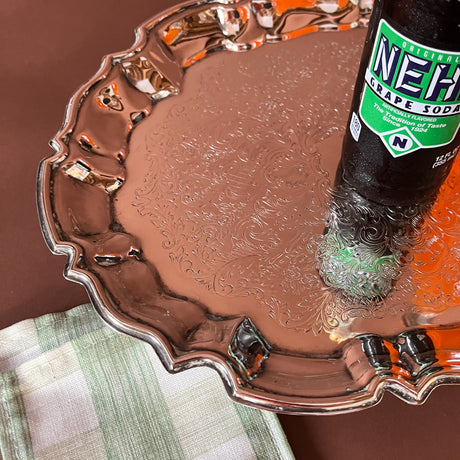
<point>191,195</point>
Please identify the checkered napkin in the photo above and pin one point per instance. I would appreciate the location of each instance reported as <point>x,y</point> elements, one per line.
<point>72,388</point>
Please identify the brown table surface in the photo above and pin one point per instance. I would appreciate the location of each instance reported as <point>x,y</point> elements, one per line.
<point>47,50</point>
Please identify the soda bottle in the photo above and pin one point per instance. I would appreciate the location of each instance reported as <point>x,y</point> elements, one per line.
<point>403,131</point>
<point>400,142</point>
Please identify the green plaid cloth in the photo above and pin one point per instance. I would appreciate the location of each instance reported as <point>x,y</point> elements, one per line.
<point>72,388</point>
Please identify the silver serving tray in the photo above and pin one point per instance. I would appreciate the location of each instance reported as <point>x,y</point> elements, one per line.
<point>190,188</point>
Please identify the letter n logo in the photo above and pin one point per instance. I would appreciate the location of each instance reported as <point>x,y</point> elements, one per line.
<point>400,142</point>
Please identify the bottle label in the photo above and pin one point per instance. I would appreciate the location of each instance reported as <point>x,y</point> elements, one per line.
<point>411,95</point>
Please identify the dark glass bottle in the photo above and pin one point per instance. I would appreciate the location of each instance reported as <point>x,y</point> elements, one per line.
<point>403,133</point>
<point>399,146</point>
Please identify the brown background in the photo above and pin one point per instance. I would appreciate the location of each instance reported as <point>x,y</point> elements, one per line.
<point>47,50</point>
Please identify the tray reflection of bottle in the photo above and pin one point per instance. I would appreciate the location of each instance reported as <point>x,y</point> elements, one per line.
<point>401,138</point>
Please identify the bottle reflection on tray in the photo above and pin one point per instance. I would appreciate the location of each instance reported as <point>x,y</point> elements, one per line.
<point>365,243</point>
<point>401,140</point>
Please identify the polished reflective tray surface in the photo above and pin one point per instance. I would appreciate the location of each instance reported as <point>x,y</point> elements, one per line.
<point>191,187</point>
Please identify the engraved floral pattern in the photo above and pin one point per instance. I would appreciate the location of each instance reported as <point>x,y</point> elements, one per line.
<point>241,202</point>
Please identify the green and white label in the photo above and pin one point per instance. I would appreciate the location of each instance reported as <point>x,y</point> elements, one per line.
<point>411,96</point>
